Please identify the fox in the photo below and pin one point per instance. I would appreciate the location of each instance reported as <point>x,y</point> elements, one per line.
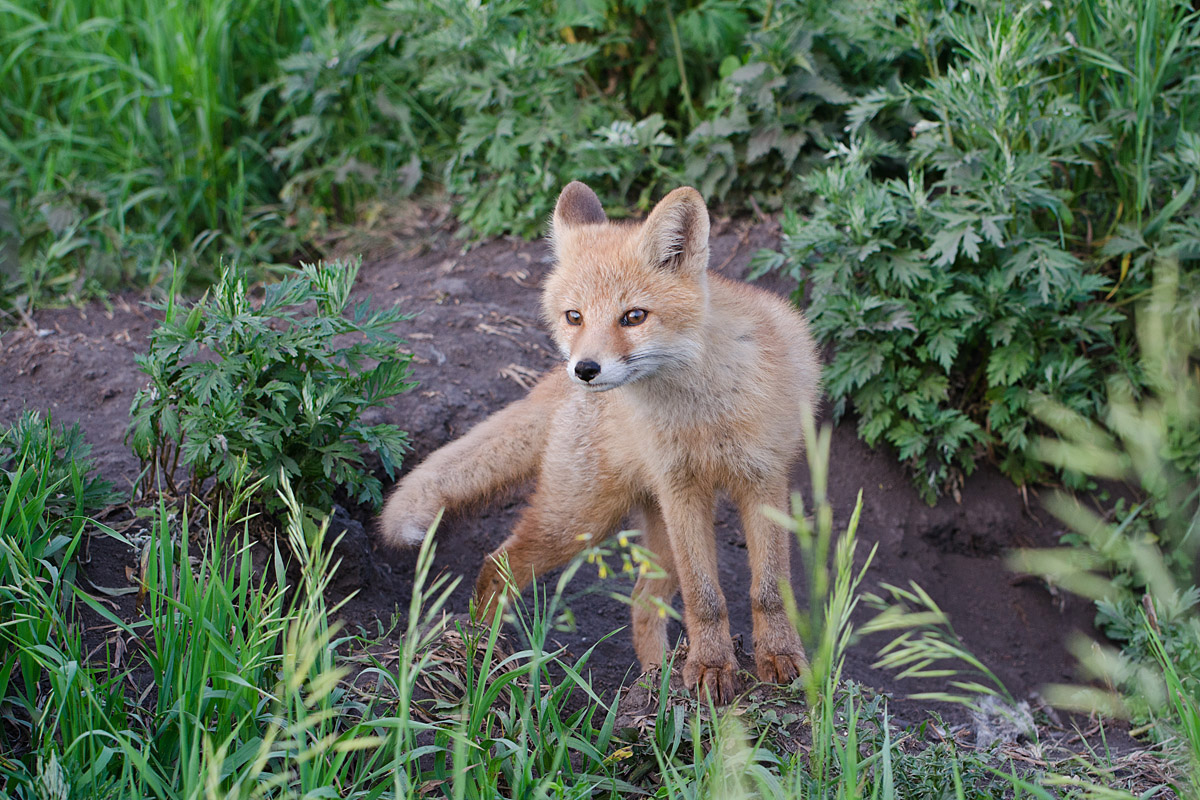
<point>679,384</point>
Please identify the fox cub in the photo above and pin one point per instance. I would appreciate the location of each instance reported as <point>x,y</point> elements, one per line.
<point>678,384</point>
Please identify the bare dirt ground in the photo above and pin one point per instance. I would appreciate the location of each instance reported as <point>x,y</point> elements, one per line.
<point>477,343</point>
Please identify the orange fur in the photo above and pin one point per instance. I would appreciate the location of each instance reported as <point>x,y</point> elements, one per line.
<point>701,389</point>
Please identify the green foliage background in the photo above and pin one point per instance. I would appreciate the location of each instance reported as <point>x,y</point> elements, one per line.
<point>974,194</point>
<point>973,190</point>
<point>979,234</point>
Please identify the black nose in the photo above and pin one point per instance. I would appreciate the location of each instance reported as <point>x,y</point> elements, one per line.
<point>586,370</point>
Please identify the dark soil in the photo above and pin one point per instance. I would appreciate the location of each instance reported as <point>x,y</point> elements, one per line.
<point>477,342</point>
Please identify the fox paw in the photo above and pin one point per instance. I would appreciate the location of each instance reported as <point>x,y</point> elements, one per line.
<point>718,680</point>
<point>780,667</point>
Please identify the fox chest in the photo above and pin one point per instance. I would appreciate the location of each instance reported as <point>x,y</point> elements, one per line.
<point>718,456</point>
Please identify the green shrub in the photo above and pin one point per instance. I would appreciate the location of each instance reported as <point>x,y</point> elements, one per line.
<point>783,89</point>
<point>499,99</point>
<point>340,138</point>
<point>986,253</point>
<point>507,102</point>
<point>272,122</point>
<point>280,384</point>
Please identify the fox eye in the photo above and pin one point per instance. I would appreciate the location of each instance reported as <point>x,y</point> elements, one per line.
<point>634,316</point>
<point>574,317</point>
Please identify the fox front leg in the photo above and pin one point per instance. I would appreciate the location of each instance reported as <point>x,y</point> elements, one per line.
<point>710,664</point>
<point>577,504</point>
<point>778,652</point>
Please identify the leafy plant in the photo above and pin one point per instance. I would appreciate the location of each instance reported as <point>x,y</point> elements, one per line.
<point>953,290</point>
<point>274,384</point>
<point>778,92</point>
<point>661,54</point>
<point>509,101</point>
<point>343,140</point>
<point>1172,620</point>
<point>499,90</point>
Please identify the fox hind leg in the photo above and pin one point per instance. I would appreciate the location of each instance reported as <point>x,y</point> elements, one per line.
<point>653,591</point>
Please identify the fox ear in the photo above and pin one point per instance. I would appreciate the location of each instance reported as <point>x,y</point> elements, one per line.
<point>578,205</point>
<point>675,235</point>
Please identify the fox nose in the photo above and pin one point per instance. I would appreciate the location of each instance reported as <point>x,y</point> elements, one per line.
<point>586,370</point>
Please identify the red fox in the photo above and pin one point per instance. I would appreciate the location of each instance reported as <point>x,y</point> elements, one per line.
<point>679,383</point>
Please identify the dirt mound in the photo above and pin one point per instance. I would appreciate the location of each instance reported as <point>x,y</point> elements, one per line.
<point>478,344</point>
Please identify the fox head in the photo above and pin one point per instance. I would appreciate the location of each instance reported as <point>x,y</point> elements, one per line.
<point>627,301</point>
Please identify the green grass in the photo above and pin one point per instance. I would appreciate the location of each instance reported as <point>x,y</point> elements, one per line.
<point>124,138</point>
<point>236,681</point>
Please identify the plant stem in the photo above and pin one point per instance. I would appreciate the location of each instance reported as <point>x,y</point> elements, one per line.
<point>683,81</point>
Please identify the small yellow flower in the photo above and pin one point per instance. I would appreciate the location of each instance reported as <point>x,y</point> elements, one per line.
<point>620,754</point>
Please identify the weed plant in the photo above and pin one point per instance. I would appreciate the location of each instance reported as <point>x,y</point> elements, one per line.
<point>1141,577</point>
<point>279,385</point>
<point>43,692</point>
<point>46,490</point>
<point>58,458</point>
